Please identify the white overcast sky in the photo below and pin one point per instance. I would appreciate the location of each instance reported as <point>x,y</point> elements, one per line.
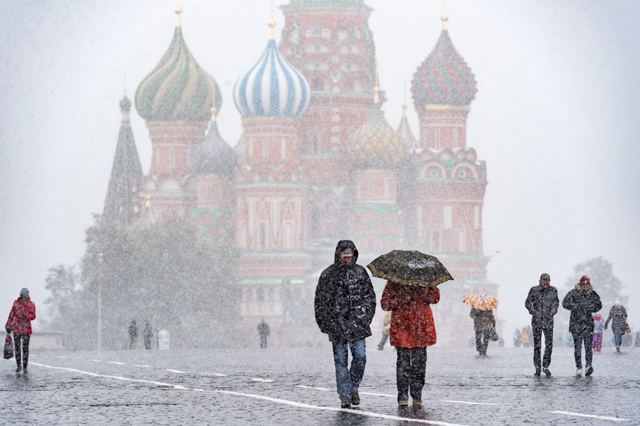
<point>556,118</point>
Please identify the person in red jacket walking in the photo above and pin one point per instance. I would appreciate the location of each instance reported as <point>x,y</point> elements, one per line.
<point>22,313</point>
<point>412,330</point>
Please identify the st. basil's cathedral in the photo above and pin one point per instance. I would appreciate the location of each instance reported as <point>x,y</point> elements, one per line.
<point>317,162</point>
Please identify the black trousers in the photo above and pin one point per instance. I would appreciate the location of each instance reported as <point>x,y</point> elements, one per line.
<point>263,341</point>
<point>537,346</point>
<point>481,345</point>
<point>586,338</point>
<point>410,372</point>
<point>22,341</point>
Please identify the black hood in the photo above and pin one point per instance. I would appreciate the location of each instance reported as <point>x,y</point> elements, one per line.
<point>342,245</point>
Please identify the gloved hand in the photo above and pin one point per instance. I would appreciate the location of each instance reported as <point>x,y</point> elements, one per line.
<point>9,329</point>
<point>24,317</point>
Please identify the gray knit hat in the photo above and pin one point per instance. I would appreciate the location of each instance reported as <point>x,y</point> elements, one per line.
<point>24,292</point>
<point>348,252</point>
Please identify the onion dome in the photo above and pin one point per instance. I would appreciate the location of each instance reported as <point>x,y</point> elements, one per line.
<point>213,156</point>
<point>178,89</point>
<point>376,145</point>
<point>444,78</point>
<point>405,131</point>
<point>272,87</point>
<point>125,103</point>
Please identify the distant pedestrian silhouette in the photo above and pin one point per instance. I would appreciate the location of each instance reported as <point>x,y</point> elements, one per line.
<point>147,334</point>
<point>264,331</point>
<point>133,335</point>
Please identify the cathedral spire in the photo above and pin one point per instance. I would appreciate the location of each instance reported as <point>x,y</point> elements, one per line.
<point>121,206</point>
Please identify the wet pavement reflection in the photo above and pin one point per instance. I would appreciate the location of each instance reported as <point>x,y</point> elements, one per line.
<point>297,386</point>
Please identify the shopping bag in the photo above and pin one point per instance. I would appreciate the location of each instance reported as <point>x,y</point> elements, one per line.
<point>8,347</point>
<point>494,336</point>
<point>627,329</point>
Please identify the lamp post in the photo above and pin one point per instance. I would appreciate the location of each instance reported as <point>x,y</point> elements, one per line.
<point>100,276</point>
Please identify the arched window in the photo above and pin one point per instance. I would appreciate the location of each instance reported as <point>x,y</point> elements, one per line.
<point>283,149</point>
<point>265,149</point>
<point>462,240</point>
<point>455,137</point>
<point>437,138</point>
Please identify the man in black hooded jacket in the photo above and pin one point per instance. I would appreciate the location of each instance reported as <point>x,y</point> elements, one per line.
<point>345,304</point>
<point>542,303</point>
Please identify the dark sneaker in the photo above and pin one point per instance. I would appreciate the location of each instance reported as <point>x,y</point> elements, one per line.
<point>588,371</point>
<point>547,372</point>
<point>345,403</point>
<point>355,398</point>
<point>18,370</point>
<point>537,373</point>
<point>403,403</point>
<point>25,371</point>
<point>417,402</point>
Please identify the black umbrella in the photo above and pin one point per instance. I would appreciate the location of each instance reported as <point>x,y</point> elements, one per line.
<point>410,267</point>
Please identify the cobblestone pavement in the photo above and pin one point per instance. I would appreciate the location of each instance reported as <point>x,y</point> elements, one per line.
<point>297,387</point>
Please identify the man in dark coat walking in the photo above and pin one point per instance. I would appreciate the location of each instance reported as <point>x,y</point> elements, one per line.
<point>542,303</point>
<point>582,301</point>
<point>263,330</point>
<point>345,304</point>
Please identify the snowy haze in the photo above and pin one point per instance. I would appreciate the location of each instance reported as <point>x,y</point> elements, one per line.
<point>555,118</point>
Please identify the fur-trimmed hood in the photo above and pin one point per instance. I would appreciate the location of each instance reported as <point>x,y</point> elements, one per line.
<point>578,286</point>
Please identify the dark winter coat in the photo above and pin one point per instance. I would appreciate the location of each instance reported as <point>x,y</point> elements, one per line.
<point>22,313</point>
<point>133,330</point>
<point>541,303</point>
<point>345,301</point>
<point>412,323</point>
<point>581,305</point>
<point>482,320</point>
<point>264,329</point>
<point>619,317</point>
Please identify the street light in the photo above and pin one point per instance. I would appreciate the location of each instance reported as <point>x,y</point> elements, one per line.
<point>100,275</point>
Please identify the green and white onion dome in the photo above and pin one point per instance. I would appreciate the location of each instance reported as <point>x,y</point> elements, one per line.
<point>272,87</point>
<point>178,89</point>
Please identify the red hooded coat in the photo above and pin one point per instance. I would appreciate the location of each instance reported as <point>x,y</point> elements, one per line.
<point>21,316</point>
<point>412,323</point>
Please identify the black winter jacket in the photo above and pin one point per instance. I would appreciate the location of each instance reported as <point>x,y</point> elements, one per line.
<point>540,303</point>
<point>345,301</point>
<point>581,305</point>
<point>619,316</point>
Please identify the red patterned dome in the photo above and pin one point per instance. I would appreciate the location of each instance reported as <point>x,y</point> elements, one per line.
<point>444,78</point>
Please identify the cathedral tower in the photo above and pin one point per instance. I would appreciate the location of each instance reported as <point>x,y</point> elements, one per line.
<point>271,192</point>
<point>175,99</point>
<point>122,205</point>
<point>330,42</point>
<point>450,180</point>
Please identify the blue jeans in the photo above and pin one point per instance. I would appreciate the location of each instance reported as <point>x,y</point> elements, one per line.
<point>618,338</point>
<point>585,338</point>
<point>348,380</point>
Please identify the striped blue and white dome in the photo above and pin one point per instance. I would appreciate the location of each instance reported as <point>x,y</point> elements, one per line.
<point>272,87</point>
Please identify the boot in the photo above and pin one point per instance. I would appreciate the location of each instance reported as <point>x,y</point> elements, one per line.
<point>617,348</point>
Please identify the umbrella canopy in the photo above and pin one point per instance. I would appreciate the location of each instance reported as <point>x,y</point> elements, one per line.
<point>410,267</point>
<point>482,301</point>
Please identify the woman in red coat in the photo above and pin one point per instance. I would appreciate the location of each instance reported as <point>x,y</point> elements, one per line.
<point>412,330</point>
<point>22,313</point>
